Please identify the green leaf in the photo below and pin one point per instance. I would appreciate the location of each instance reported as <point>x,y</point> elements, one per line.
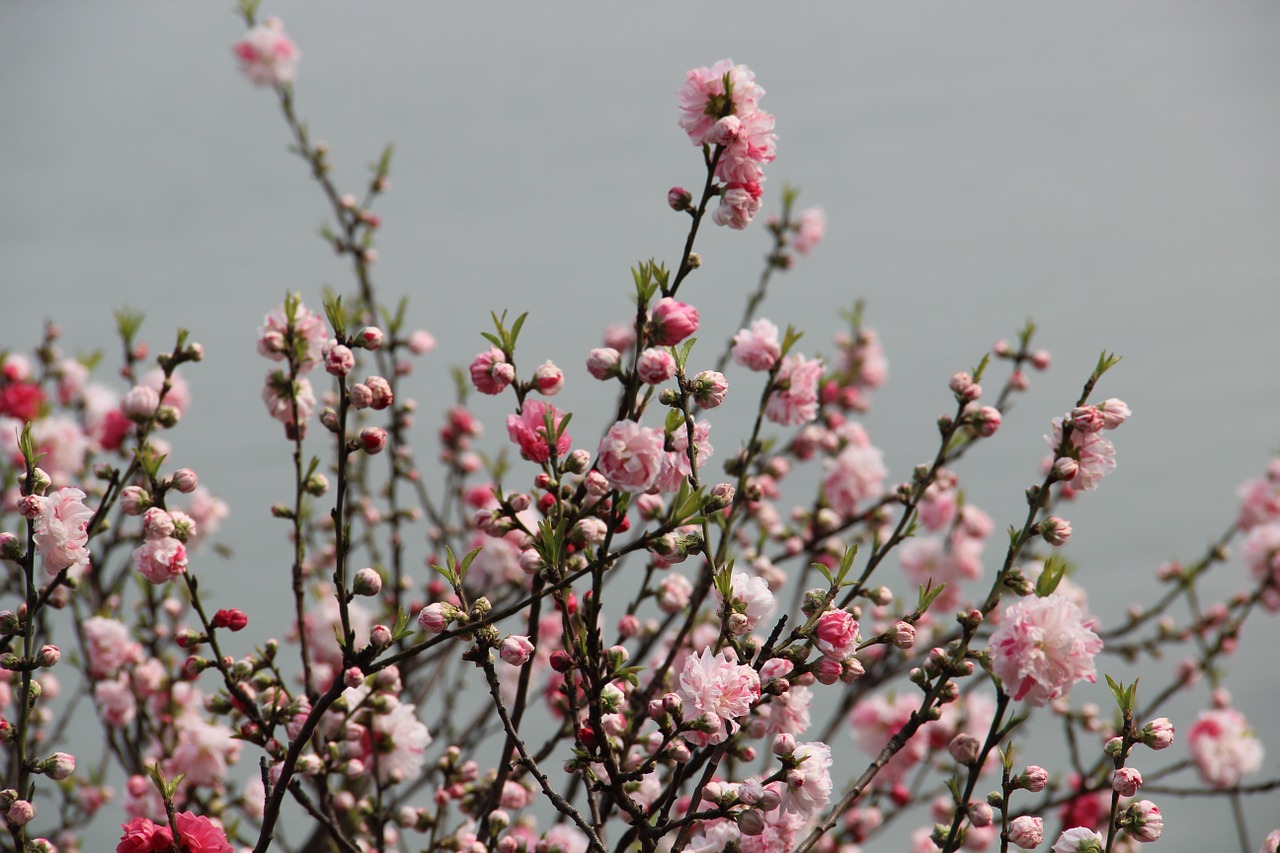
<point>515,329</point>
<point>928,594</point>
<point>467,560</point>
<point>1051,576</point>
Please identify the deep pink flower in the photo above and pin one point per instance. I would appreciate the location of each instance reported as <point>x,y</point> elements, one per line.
<point>1042,647</point>
<point>199,834</point>
<point>529,430</point>
<point>143,836</point>
<point>1223,747</point>
<point>631,456</point>
<point>267,56</point>
<point>655,366</point>
<point>21,400</point>
<point>757,348</point>
<point>672,321</point>
<point>836,634</point>
<point>752,143</point>
<point>794,399</point>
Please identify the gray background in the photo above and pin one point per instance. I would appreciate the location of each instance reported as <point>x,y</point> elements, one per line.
<point>1107,169</point>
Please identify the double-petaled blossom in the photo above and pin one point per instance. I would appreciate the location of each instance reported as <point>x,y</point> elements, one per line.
<point>1095,456</point>
<point>1223,747</point>
<point>718,690</point>
<point>705,99</point>
<point>808,786</point>
<point>631,456</point>
<point>62,531</point>
<point>758,347</point>
<point>1042,647</point>
<point>491,373</point>
<point>267,55</point>
<point>675,462</point>
<point>196,833</point>
<point>855,476</point>
<point>836,634</point>
<point>672,321</point>
<point>529,430</point>
<point>794,399</point>
<point>750,596</point>
<point>301,339</point>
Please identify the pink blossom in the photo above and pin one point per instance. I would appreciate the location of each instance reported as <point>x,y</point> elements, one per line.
<point>308,334</point>
<point>810,791</point>
<point>1271,844</point>
<point>631,456</point>
<point>161,559</point>
<point>490,372</point>
<point>856,475</point>
<point>655,366</point>
<point>750,143</point>
<point>757,348</point>
<point>1042,647</point>
<point>704,99</point>
<point>1079,839</point>
<point>529,430</point>
<point>877,719</point>
<point>199,834</point>
<point>1027,832</point>
<point>1261,553</point>
<point>739,203</point>
<point>203,751</point>
<point>1094,455</point>
<point>1259,502</point>
<point>398,736</point>
<point>672,321</point>
<point>281,397</point>
<point>267,56</point>
<point>603,362</point>
<point>548,379</point>
<point>109,645</point>
<point>563,838</point>
<point>1157,734</point>
<point>116,703</point>
<point>1126,781</point>
<point>1223,747</point>
<point>709,389</point>
<point>140,403</point>
<point>143,836</point>
<point>516,650</point>
<point>1143,821</point>
<point>675,462</point>
<point>794,399</point>
<point>811,227</point>
<point>61,531</point>
<point>836,634</point>
<point>717,685</point>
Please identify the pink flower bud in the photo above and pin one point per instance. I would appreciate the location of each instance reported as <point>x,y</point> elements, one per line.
<point>370,337</point>
<point>903,635</point>
<point>986,420</point>
<point>59,766</point>
<point>48,656</point>
<point>1040,359</point>
<point>421,341</point>
<point>157,524</point>
<point>367,582</point>
<point>980,814</point>
<point>603,362</point>
<point>140,403</point>
<point>1127,781</point>
<point>628,626</point>
<point>548,379</point>
<point>963,386</point>
<point>516,650</point>
<point>1143,821</point>
<point>1086,419</point>
<point>1114,412</point>
<point>353,677</point>
<point>134,500</point>
<point>679,198</point>
<point>381,390</point>
<point>1056,531</point>
<point>1026,832</point>
<point>1034,778</point>
<point>1065,468</point>
<point>380,637</point>
<point>751,822</point>
<point>21,812</point>
<point>655,366</point>
<point>965,748</point>
<point>339,361</point>
<point>436,617</point>
<point>486,375</point>
<point>709,389</point>
<point>784,743</point>
<point>672,321</point>
<point>373,440</point>
<point>185,480</point>
<point>1157,734</point>
<point>361,396</point>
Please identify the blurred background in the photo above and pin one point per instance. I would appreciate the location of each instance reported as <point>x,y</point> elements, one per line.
<point>1108,170</point>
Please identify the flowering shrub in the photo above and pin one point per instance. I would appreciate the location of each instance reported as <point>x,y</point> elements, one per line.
<point>616,646</point>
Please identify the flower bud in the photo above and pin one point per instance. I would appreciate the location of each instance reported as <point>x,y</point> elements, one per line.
<point>48,656</point>
<point>516,650</point>
<point>1034,778</point>
<point>59,766</point>
<point>370,338</point>
<point>21,812</point>
<point>339,361</point>
<point>1056,531</point>
<point>366,582</point>
<point>903,635</point>
<point>548,379</point>
<point>373,440</point>
<point>1126,781</point>
<point>965,748</point>
<point>1157,734</point>
<point>1026,832</point>
<point>784,743</point>
<point>679,199</point>
<point>751,822</point>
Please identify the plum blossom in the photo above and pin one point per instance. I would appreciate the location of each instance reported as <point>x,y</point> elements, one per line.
<point>856,475</point>
<point>529,430</point>
<point>757,348</point>
<point>812,792</point>
<point>631,456</point>
<point>739,203</point>
<point>62,531</point>
<point>1042,647</point>
<point>794,399</point>
<point>109,645</point>
<point>1223,747</point>
<point>268,57</point>
<point>717,686</point>
<point>1094,455</point>
<point>704,98</point>
<point>675,462</point>
<point>672,321</point>
<point>875,720</point>
<point>305,337</point>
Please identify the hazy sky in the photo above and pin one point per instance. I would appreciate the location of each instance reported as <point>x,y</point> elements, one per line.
<point>1107,169</point>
